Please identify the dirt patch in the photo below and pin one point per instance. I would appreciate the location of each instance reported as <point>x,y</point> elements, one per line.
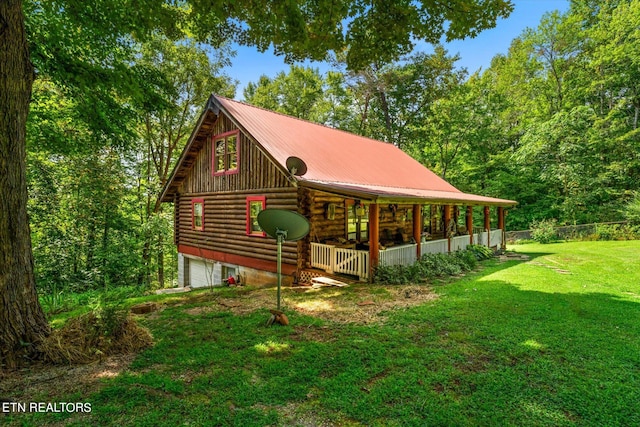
<point>362,306</point>
<point>39,382</point>
<point>197,311</point>
<point>359,303</point>
<point>556,269</point>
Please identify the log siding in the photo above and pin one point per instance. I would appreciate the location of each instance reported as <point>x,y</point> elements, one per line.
<point>255,170</point>
<point>225,224</point>
<point>225,201</point>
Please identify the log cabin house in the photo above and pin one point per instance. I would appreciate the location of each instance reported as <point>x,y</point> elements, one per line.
<point>367,201</point>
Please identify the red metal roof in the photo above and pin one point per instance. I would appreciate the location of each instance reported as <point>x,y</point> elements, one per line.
<point>337,159</point>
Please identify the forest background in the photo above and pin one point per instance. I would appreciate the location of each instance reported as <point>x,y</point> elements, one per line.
<point>552,124</point>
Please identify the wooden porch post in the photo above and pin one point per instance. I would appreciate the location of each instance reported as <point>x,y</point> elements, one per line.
<point>469,223</point>
<point>447,220</point>
<point>501,214</point>
<point>487,224</point>
<point>417,227</point>
<point>374,237</point>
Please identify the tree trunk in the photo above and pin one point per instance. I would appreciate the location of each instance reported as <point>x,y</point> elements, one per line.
<point>22,321</point>
<point>387,116</point>
<point>161,260</point>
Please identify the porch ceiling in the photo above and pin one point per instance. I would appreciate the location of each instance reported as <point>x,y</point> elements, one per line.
<point>383,194</point>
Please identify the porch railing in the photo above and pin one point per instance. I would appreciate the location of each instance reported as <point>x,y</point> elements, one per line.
<point>434,247</point>
<point>399,255</point>
<point>496,238</point>
<point>352,261</point>
<point>459,243</point>
<point>482,238</point>
<point>322,257</point>
<point>340,260</point>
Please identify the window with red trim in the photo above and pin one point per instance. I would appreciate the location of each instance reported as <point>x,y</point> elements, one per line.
<point>255,204</point>
<point>197,214</point>
<point>225,153</point>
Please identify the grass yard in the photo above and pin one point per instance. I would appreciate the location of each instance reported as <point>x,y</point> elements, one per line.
<point>552,341</point>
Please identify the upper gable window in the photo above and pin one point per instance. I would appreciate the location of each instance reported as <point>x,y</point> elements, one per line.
<point>225,152</point>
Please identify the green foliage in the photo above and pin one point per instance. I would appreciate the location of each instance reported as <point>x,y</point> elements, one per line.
<point>393,101</point>
<point>54,301</point>
<point>544,231</point>
<point>304,93</point>
<point>481,252</point>
<point>632,210</point>
<point>376,33</point>
<point>109,315</point>
<point>58,301</point>
<point>393,275</point>
<point>561,111</point>
<point>84,231</point>
<point>615,232</point>
<point>95,218</point>
<point>427,267</point>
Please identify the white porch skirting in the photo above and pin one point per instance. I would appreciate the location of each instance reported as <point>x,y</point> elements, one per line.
<point>399,255</point>
<point>356,262</point>
<point>434,247</point>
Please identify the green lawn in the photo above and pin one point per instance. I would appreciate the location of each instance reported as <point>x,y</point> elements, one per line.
<point>553,341</point>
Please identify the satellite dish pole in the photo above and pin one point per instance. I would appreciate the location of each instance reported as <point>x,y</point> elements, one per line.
<point>282,225</point>
<point>281,235</point>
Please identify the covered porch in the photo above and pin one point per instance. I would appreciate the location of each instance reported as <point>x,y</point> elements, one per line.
<point>343,229</point>
<point>333,259</point>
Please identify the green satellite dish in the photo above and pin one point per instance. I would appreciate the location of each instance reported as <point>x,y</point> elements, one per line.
<point>282,225</point>
<point>279,222</point>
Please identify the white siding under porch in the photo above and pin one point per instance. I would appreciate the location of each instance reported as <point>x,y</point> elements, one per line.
<point>434,247</point>
<point>399,255</point>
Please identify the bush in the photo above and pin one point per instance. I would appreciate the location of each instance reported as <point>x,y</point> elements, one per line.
<point>480,251</point>
<point>428,266</point>
<point>615,232</point>
<point>392,275</point>
<point>544,231</point>
<point>632,210</point>
<point>468,260</point>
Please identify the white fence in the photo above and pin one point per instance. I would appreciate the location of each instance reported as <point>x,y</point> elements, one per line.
<point>434,247</point>
<point>340,260</point>
<point>399,255</point>
<point>459,243</point>
<point>354,262</point>
<point>351,261</point>
<point>322,256</point>
<point>496,238</point>
<point>482,238</point>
